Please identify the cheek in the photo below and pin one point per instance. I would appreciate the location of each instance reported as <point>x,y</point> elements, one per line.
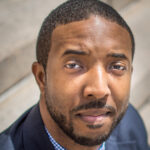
<point>63,92</point>
<point>60,89</point>
<point>120,92</point>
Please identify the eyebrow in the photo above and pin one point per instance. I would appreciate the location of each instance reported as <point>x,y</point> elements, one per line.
<point>118,55</point>
<point>75,52</point>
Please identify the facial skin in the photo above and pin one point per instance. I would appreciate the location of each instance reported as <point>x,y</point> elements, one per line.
<point>85,90</point>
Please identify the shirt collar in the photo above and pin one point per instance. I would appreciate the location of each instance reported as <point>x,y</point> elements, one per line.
<point>59,147</point>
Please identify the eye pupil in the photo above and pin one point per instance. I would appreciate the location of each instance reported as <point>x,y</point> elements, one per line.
<point>72,65</point>
<point>117,67</point>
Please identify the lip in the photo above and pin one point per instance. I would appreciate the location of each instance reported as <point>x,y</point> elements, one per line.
<point>94,116</point>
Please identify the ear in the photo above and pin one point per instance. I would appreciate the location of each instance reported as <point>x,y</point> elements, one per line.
<point>132,69</point>
<point>39,75</point>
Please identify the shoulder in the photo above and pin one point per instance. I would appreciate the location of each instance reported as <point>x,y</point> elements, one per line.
<point>6,142</point>
<point>132,125</point>
<point>27,133</point>
<point>13,133</point>
<point>130,131</point>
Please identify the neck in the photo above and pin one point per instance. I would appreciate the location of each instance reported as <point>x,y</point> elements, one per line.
<point>59,136</point>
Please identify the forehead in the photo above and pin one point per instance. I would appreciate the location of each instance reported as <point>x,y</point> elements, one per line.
<point>95,30</point>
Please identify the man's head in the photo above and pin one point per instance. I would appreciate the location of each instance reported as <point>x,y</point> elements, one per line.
<point>84,53</point>
<point>74,10</point>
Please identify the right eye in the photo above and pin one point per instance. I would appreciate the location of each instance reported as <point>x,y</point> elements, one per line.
<point>72,65</point>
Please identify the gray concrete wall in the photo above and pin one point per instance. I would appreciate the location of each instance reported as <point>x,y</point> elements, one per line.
<point>20,21</point>
<point>119,4</point>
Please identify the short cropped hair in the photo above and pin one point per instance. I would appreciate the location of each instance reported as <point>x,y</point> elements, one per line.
<point>70,11</point>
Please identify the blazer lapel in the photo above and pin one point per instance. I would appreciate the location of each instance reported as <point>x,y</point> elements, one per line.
<point>34,134</point>
<point>113,145</point>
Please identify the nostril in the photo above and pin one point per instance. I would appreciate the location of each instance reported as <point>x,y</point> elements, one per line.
<point>108,113</point>
<point>90,95</point>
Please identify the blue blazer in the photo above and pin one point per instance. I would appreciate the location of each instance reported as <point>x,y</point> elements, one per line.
<point>28,133</point>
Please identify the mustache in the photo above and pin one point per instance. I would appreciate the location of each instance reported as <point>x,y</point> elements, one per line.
<point>94,104</point>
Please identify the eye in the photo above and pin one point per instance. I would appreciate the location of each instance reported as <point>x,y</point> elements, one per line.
<point>118,69</point>
<point>73,65</point>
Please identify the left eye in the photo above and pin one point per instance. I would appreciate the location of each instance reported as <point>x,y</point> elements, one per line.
<point>118,67</point>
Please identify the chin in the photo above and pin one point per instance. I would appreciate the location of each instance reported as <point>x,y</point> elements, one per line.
<point>94,134</point>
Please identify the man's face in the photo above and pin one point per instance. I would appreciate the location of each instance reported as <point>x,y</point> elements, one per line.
<point>88,78</point>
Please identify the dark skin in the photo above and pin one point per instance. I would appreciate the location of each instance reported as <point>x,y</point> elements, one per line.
<point>87,80</point>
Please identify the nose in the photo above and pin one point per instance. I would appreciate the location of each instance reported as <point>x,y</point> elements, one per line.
<point>96,84</point>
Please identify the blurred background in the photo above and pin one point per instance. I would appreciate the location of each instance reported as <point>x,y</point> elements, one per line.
<point>20,21</point>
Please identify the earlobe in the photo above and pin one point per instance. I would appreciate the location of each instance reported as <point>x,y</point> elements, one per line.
<point>39,75</point>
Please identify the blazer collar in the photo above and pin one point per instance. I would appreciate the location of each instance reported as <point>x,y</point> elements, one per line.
<point>34,134</point>
<point>115,142</point>
<point>113,145</point>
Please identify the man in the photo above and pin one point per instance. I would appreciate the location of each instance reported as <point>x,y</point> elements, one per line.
<point>84,65</point>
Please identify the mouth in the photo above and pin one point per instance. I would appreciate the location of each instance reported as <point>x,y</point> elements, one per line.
<point>94,116</point>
